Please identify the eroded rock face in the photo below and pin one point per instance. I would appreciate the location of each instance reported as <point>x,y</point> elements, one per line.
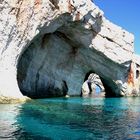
<point>49,46</point>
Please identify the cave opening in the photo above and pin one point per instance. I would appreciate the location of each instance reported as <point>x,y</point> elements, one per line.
<point>56,64</point>
<point>41,69</point>
<point>51,67</point>
<point>137,74</point>
<point>92,85</point>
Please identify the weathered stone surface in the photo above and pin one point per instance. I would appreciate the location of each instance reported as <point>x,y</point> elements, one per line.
<point>136,84</point>
<point>47,48</point>
<point>11,100</point>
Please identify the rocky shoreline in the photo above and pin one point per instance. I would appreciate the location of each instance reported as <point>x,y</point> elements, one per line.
<point>10,100</point>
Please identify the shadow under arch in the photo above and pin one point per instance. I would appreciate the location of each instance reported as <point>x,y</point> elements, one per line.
<point>109,88</point>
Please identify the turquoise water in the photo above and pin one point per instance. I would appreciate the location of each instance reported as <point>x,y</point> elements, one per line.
<point>72,119</point>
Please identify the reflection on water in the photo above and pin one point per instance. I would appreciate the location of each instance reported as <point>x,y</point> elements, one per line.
<point>72,119</point>
<point>8,115</point>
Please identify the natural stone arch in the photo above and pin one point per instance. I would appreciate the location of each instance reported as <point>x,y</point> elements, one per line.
<point>96,82</point>
<point>91,82</point>
<point>56,57</point>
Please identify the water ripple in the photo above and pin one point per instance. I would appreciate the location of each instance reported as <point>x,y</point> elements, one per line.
<point>72,119</point>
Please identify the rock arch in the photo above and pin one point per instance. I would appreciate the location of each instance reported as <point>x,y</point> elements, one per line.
<point>92,82</point>
<point>59,56</point>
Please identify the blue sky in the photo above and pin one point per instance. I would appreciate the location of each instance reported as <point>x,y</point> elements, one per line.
<point>125,13</point>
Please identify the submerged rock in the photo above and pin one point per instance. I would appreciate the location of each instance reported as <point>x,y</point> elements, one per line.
<point>48,47</point>
<point>10,100</point>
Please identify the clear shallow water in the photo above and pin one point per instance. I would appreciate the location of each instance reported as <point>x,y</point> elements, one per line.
<point>72,119</point>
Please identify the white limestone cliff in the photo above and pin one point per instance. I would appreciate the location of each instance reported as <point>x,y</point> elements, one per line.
<point>48,46</point>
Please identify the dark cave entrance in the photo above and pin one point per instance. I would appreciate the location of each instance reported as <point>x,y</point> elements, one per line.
<point>39,69</point>
<point>137,74</point>
<point>95,85</point>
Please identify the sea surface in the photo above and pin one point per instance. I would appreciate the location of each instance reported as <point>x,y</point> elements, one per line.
<point>71,119</point>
